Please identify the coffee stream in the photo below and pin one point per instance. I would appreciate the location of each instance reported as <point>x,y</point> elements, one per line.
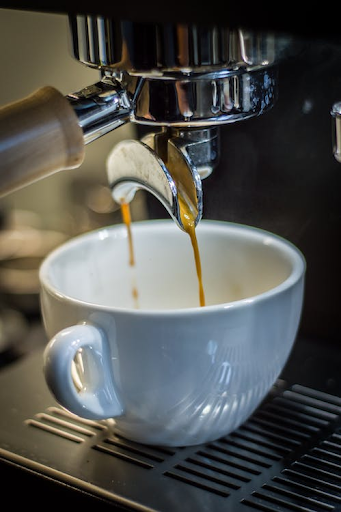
<point>125,210</point>
<point>188,222</point>
<point>126,217</point>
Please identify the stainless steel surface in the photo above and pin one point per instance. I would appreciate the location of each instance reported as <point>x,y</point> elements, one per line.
<point>201,147</point>
<point>161,165</point>
<point>201,100</point>
<point>100,108</point>
<point>150,48</point>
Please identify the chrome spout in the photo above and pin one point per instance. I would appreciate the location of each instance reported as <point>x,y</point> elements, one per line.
<point>169,164</point>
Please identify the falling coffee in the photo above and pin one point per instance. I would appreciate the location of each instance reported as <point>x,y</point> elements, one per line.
<point>188,222</point>
<point>126,217</point>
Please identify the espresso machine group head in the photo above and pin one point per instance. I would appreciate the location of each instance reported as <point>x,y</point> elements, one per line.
<point>183,80</point>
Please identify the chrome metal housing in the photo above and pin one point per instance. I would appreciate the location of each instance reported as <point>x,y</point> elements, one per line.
<point>206,100</point>
<point>106,43</point>
<point>186,78</point>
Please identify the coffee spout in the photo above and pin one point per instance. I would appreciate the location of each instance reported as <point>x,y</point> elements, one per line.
<point>169,164</point>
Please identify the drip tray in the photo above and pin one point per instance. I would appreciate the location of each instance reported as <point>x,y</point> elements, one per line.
<point>287,456</point>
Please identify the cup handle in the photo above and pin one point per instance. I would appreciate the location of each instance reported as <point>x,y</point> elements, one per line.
<point>98,398</point>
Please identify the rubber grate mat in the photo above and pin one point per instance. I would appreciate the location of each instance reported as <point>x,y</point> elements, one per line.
<point>287,456</point>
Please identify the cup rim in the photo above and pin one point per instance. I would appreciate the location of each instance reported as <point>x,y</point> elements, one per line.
<point>296,256</point>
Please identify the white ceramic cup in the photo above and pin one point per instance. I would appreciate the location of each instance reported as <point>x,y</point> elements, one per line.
<point>170,372</point>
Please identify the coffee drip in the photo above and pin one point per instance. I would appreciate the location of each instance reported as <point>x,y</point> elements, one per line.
<point>126,217</point>
<point>188,221</point>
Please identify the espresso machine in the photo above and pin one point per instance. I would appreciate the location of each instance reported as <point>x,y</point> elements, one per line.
<point>248,109</point>
<point>182,80</point>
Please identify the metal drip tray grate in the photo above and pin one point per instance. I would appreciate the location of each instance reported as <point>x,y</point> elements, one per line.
<point>287,456</point>
<point>288,425</point>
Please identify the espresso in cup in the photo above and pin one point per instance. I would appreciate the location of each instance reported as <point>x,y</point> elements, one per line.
<point>170,372</point>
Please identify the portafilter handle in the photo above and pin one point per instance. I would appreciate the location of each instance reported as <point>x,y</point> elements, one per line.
<point>39,135</point>
<point>47,132</point>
